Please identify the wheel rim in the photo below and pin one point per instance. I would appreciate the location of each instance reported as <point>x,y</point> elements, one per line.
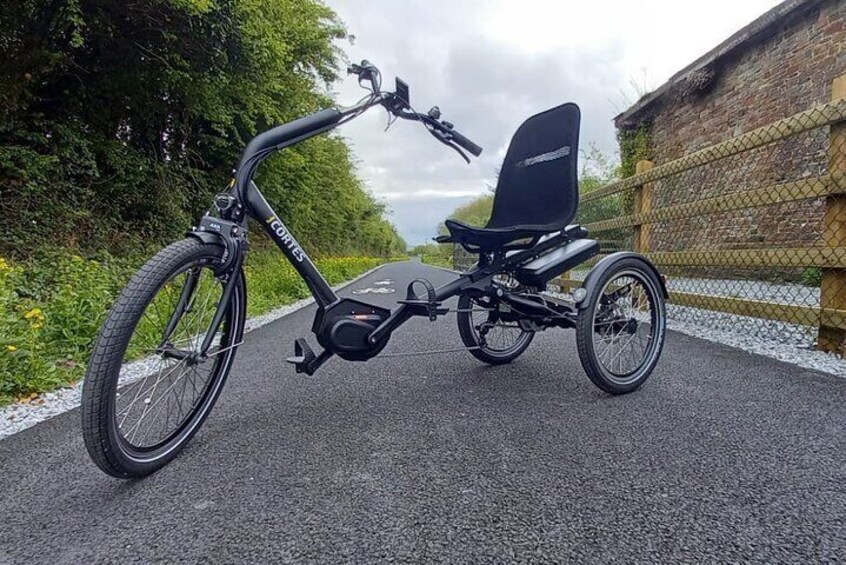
<point>158,396</point>
<point>493,335</point>
<point>626,326</point>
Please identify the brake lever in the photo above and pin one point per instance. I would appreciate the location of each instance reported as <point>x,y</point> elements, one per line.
<point>442,137</point>
<point>459,151</point>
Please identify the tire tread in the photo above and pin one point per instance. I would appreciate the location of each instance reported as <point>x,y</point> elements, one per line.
<point>110,345</point>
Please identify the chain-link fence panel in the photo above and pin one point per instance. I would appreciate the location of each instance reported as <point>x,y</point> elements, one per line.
<point>751,232</point>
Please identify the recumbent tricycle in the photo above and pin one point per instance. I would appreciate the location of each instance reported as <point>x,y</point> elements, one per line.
<point>168,343</point>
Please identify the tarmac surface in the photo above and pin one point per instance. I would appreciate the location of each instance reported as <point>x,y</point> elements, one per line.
<point>722,456</point>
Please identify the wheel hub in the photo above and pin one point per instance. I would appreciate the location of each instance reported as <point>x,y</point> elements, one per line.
<point>190,358</point>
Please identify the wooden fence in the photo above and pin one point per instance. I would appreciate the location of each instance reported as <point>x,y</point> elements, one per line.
<point>827,254</point>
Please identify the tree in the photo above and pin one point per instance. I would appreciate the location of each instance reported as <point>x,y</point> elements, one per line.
<point>119,120</point>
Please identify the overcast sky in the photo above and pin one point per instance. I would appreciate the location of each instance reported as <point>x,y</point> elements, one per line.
<point>490,64</point>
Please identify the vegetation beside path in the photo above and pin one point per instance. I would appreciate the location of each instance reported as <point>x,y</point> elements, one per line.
<point>120,121</point>
<point>51,309</point>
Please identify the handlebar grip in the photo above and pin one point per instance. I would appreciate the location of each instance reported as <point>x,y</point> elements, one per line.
<point>465,143</point>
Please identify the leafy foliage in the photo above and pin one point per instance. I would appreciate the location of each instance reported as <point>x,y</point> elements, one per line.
<point>120,120</point>
<point>812,276</point>
<point>51,310</point>
<point>476,212</point>
<point>597,171</point>
<point>434,254</point>
<point>272,282</point>
<point>635,145</point>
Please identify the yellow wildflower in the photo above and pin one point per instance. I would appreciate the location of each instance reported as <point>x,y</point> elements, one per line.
<point>11,348</point>
<point>34,313</point>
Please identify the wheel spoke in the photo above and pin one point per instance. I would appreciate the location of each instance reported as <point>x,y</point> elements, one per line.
<point>622,325</point>
<point>155,405</point>
<point>164,395</point>
<point>492,335</point>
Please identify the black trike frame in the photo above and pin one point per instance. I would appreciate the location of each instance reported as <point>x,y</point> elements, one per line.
<point>527,239</point>
<point>243,200</point>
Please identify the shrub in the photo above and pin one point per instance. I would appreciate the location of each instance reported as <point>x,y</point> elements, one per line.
<point>52,309</point>
<point>812,276</point>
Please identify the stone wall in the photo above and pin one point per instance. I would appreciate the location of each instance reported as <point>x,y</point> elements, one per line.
<point>763,81</point>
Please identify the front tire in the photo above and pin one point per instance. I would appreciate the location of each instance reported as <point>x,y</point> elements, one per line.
<point>132,391</point>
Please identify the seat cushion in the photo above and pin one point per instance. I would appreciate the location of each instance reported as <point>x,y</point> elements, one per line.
<point>486,239</point>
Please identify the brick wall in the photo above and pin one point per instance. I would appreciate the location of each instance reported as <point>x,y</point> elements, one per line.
<point>762,82</point>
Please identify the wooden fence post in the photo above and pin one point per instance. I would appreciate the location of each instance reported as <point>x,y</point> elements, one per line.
<point>833,286</point>
<point>642,204</point>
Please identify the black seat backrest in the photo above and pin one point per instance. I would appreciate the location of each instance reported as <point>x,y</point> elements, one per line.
<point>538,183</point>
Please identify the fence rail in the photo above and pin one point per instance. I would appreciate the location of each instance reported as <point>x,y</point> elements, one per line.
<point>696,239</point>
<point>817,117</point>
<point>804,189</point>
<point>788,257</point>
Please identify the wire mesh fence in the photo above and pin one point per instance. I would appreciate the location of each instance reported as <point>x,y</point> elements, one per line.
<point>750,232</point>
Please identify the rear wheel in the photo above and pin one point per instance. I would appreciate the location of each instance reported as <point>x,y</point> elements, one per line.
<point>620,332</point>
<point>487,336</point>
<point>148,390</point>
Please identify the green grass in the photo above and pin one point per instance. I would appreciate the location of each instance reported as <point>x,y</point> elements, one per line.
<point>51,308</point>
<point>272,281</point>
<point>437,260</point>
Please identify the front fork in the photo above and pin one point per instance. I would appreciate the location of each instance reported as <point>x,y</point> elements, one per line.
<point>223,304</point>
<point>183,306</point>
<point>233,238</point>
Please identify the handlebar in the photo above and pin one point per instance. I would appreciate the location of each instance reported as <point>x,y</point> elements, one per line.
<point>397,104</point>
<point>462,141</point>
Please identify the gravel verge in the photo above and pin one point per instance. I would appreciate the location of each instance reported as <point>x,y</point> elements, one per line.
<point>20,416</point>
<point>799,355</point>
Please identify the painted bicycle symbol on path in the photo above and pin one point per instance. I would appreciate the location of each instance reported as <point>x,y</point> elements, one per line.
<point>379,287</point>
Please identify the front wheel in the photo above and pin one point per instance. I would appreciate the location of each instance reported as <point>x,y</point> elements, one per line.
<point>620,331</point>
<point>148,388</point>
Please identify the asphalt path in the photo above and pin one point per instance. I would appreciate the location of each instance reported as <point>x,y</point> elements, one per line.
<point>722,456</point>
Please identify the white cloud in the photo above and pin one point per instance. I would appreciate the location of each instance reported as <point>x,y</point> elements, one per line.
<point>491,64</point>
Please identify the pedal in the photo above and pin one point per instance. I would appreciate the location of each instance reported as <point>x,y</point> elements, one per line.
<point>303,355</point>
<point>304,359</point>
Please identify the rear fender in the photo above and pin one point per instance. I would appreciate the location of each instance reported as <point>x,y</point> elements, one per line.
<point>610,261</point>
